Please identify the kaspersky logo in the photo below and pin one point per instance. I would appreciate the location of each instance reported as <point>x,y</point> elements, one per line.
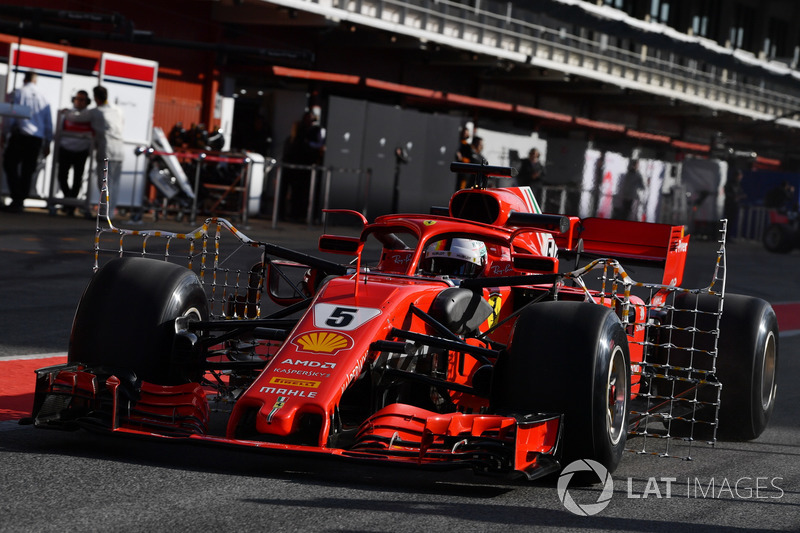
<point>585,509</point>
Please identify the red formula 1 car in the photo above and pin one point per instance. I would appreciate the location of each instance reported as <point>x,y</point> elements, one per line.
<point>782,234</point>
<point>483,335</point>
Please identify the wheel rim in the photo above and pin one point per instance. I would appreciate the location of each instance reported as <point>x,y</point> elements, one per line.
<point>772,237</point>
<point>617,395</point>
<point>768,372</point>
<point>193,314</point>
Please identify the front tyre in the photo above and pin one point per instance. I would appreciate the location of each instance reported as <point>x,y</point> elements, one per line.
<point>126,319</point>
<point>570,358</point>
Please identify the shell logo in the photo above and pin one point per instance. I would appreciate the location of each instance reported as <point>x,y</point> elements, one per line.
<point>324,342</point>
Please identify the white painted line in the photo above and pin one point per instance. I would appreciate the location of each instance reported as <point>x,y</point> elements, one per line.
<point>32,356</point>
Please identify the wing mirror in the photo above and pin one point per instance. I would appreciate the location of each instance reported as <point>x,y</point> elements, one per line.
<point>340,244</point>
<point>537,264</point>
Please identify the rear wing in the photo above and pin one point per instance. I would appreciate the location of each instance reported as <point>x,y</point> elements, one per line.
<point>630,242</point>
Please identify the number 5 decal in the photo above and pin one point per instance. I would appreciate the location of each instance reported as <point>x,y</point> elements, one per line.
<point>342,317</point>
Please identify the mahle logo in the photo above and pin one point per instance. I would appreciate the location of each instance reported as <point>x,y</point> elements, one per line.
<point>585,509</point>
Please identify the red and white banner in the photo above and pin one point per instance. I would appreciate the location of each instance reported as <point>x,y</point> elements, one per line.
<point>131,84</point>
<point>51,67</point>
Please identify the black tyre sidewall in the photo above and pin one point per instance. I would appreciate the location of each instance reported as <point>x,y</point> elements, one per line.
<point>777,239</point>
<point>558,362</point>
<point>125,318</point>
<point>744,329</point>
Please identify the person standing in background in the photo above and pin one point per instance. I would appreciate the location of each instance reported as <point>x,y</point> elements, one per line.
<point>475,157</point>
<point>734,195</point>
<point>73,149</point>
<point>107,124</point>
<point>531,172</point>
<point>27,139</point>
<point>781,197</point>
<point>629,191</point>
<point>305,148</point>
<point>463,155</point>
<point>476,154</point>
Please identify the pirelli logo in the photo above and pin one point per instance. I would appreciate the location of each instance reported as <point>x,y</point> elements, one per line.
<point>308,384</point>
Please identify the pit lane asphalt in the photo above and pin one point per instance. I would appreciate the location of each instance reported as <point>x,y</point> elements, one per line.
<point>55,481</point>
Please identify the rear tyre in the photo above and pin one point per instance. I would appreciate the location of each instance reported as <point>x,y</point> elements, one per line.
<point>126,319</point>
<point>570,358</point>
<point>778,239</point>
<point>746,364</point>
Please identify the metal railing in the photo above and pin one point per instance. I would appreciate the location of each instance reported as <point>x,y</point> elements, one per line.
<point>239,185</point>
<point>508,35</point>
<point>751,222</point>
<point>319,176</point>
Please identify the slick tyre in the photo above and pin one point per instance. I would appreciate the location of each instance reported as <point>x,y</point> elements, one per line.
<point>778,239</point>
<point>126,319</point>
<point>746,364</point>
<point>570,358</point>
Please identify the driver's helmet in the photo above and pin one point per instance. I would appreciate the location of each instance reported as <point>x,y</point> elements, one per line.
<point>459,258</point>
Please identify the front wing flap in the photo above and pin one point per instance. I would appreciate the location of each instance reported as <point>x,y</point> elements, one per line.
<point>491,443</point>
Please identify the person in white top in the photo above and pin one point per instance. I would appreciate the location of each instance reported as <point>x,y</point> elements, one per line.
<point>75,143</point>
<point>107,125</point>
<point>25,140</point>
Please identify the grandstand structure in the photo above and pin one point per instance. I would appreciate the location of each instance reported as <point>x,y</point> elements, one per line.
<point>671,77</point>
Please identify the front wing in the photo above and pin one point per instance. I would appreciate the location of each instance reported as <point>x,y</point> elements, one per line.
<point>71,396</point>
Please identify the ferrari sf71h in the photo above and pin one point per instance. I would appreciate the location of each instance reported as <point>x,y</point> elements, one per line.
<point>484,335</point>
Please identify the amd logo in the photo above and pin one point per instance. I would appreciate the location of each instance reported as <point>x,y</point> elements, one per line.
<point>309,364</point>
